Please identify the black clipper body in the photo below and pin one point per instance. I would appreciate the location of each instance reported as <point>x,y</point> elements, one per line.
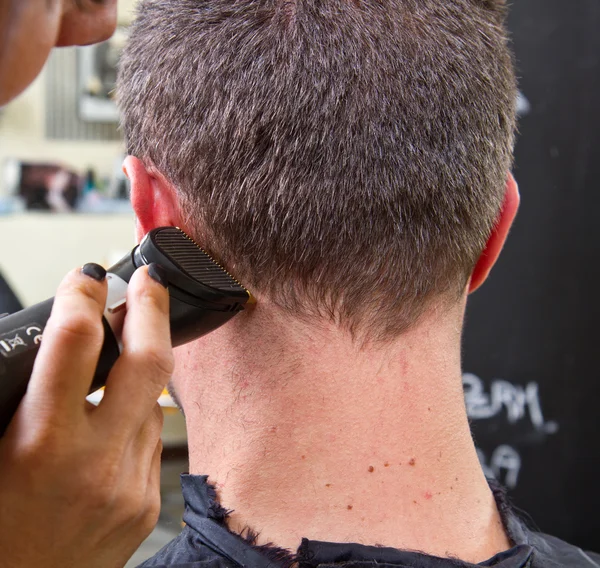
<point>203,296</point>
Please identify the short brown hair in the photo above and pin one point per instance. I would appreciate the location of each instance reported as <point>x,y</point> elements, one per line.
<point>347,158</point>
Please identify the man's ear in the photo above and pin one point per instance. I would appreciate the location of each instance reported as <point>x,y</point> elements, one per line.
<point>154,200</point>
<point>498,237</point>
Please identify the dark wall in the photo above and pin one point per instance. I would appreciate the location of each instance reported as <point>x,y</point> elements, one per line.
<point>533,331</point>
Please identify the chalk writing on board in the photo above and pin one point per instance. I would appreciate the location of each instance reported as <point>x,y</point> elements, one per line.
<point>518,402</point>
<point>523,105</point>
<point>504,465</point>
<point>520,405</point>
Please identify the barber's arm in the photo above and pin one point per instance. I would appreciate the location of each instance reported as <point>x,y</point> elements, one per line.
<point>79,485</point>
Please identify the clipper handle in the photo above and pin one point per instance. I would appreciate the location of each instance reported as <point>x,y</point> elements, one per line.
<point>203,296</point>
<point>20,338</point>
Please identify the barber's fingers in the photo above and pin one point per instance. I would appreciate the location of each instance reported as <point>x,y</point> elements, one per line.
<point>141,482</point>
<point>153,490</point>
<point>146,441</point>
<point>146,362</point>
<point>65,365</point>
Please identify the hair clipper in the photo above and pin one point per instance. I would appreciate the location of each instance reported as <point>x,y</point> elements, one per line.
<point>203,296</point>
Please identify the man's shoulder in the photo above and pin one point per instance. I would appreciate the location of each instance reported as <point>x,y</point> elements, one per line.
<point>185,552</point>
<point>206,542</point>
<point>551,552</point>
<point>544,552</point>
<point>215,563</point>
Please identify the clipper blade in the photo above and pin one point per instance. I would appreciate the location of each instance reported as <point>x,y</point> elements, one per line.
<point>201,267</point>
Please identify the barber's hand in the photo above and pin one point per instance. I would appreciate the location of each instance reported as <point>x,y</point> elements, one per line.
<point>79,485</point>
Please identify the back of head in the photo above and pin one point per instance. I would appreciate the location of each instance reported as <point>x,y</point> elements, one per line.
<point>345,158</point>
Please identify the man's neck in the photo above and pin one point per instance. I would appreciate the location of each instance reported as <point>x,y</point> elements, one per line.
<point>309,435</point>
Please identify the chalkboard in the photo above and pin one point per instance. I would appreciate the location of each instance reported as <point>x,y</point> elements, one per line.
<point>532,337</point>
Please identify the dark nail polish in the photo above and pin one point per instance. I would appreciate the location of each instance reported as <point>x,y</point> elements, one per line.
<point>94,271</point>
<point>158,273</point>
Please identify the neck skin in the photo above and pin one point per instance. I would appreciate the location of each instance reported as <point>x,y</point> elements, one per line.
<point>306,434</point>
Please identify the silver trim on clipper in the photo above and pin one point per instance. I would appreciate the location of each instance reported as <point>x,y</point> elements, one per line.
<point>116,305</point>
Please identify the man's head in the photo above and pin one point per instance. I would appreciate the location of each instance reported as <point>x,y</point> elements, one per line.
<point>29,29</point>
<point>346,159</point>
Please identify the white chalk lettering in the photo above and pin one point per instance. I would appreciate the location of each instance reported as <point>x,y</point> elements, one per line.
<point>523,105</point>
<point>517,401</point>
<point>504,465</point>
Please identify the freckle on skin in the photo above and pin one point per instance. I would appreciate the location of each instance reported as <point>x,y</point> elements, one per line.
<point>412,462</point>
<point>349,507</point>
<point>386,464</point>
<point>328,485</point>
<point>415,502</point>
<point>303,457</point>
<point>371,469</point>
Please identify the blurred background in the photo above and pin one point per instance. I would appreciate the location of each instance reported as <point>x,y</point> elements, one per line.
<point>532,380</point>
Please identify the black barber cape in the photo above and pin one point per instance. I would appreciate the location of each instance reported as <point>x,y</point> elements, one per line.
<point>205,542</point>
